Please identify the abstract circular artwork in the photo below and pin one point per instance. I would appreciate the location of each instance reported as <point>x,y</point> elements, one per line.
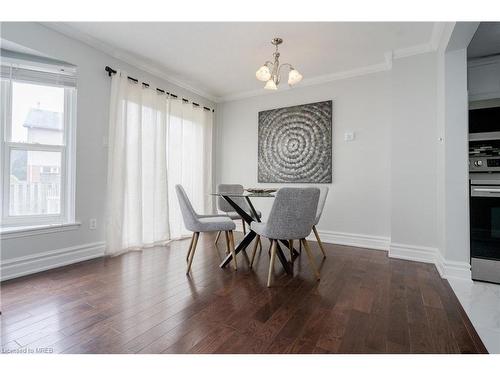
<point>295,144</point>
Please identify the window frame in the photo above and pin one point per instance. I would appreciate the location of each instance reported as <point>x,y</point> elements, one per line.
<point>67,150</point>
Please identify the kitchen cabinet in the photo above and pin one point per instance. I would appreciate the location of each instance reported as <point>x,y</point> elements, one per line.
<point>484,78</point>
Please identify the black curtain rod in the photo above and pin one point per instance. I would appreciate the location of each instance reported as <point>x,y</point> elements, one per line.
<point>111,71</point>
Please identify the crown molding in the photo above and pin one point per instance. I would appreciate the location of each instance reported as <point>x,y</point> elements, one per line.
<point>412,51</point>
<point>441,41</point>
<point>369,69</point>
<point>124,56</point>
<point>438,32</point>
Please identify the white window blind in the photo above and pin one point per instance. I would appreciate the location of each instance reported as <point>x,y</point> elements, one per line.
<point>55,77</point>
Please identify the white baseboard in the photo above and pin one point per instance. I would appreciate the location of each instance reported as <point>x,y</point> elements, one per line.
<point>352,239</point>
<point>12,268</point>
<point>342,238</point>
<point>446,268</point>
<point>26,265</point>
<point>411,252</point>
<point>449,269</point>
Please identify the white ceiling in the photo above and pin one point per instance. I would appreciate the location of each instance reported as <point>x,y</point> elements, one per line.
<point>220,59</point>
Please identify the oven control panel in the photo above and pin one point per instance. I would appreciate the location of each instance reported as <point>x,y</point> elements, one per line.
<point>484,164</point>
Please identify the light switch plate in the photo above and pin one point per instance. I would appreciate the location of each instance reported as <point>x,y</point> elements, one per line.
<point>349,136</point>
<point>92,223</point>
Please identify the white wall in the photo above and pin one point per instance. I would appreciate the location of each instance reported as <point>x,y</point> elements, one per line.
<point>457,246</point>
<point>414,140</point>
<point>92,122</point>
<point>359,199</point>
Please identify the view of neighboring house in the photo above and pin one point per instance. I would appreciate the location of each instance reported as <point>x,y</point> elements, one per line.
<point>36,175</point>
<point>44,126</point>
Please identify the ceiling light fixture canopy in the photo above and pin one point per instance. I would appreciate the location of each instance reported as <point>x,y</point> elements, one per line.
<point>270,72</point>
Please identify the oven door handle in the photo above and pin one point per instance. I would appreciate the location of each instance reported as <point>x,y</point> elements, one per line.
<point>485,191</point>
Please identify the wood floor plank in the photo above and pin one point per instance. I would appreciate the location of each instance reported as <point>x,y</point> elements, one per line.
<point>353,339</point>
<point>212,341</point>
<point>398,339</point>
<point>440,331</point>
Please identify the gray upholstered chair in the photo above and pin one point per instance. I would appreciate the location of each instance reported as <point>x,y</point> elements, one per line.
<point>321,204</point>
<point>224,206</point>
<point>292,216</point>
<point>203,223</point>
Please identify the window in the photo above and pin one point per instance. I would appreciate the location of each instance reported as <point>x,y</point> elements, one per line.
<point>38,105</point>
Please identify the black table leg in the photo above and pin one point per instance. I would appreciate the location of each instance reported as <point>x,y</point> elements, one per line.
<point>252,209</point>
<point>283,260</point>
<point>241,246</point>
<point>244,215</point>
<point>251,235</point>
<point>294,252</point>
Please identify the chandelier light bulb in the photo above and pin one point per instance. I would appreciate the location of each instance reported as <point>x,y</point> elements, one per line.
<point>294,77</point>
<point>270,85</point>
<point>263,73</point>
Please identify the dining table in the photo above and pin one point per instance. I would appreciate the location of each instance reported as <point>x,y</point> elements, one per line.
<point>249,217</point>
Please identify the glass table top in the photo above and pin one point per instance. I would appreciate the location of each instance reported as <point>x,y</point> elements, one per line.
<point>246,194</point>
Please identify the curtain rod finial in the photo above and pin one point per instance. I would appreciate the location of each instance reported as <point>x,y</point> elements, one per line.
<point>110,71</point>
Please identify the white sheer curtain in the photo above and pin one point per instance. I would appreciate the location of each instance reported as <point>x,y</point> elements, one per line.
<point>154,143</point>
<point>189,150</point>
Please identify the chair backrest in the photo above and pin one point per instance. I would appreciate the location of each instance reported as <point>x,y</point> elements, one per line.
<point>293,213</point>
<point>189,215</point>
<point>323,193</point>
<point>222,204</point>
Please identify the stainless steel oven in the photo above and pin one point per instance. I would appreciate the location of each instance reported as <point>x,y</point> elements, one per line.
<point>484,168</point>
<point>485,226</point>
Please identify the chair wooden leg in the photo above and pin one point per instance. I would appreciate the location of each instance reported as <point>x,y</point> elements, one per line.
<point>244,226</point>
<point>190,246</point>
<point>233,253</point>
<point>217,237</point>
<point>228,244</point>
<point>216,249</point>
<point>319,241</point>
<point>271,262</point>
<point>257,242</point>
<point>311,260</point>
<point>195,242</point>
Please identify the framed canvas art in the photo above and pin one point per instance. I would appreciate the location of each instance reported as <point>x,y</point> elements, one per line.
<point>295,144</point>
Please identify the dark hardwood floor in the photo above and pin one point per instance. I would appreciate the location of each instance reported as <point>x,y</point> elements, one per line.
<point>143,302</point>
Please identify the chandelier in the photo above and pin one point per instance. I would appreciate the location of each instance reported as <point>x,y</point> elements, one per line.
<point>270,72</point>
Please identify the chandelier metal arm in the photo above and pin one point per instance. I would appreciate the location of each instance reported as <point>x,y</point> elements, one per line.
<point>284,64</point>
